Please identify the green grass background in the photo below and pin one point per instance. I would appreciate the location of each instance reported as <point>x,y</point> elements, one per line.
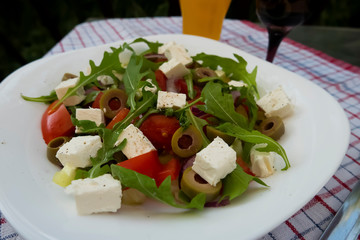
<point>29,28</point>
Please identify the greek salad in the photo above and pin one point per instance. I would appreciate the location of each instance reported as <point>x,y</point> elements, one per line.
<point>188,131</point>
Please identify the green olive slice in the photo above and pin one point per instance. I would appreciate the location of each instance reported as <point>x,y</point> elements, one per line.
<point>192,184</point>
<point>203,72</point>
<point>260,117</point>
<point>193,65</point>
<point>212,133</point>
<point>272,127</point>
<point>112,101</point>
<point>186,142</point>
<point>53,147</point>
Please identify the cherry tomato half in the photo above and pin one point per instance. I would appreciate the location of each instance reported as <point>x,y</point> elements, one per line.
<point>147,164</point>
<point>161,79</point>
<point>171,168</point>
<point>96,103</point>
<point>159,129</point>
<point>118,117</point>
<point>244,166</point>
<point>56,123</point>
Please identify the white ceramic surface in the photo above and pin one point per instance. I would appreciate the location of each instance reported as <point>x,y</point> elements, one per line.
<point>316,139</point>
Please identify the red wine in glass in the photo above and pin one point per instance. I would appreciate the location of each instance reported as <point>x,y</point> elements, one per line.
<point>280,17</point>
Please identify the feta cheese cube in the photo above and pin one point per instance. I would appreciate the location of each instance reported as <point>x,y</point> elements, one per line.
<point>178,52</point>
<point>124,57</point>
<point>95,195</point>
<point>174,69</point>
<point>136,142</point>
<point>262,163</point>
<point>92,114</point>
<point>105,79</point>
<point>276,103</point>
<point>166,46</point>
<point>234,83</point>
<point>78,150</point>
<point>118,75</point>
<point>63,87</point>
<point>215,161</point>
<point>152,89</point>
<point>170,100</point>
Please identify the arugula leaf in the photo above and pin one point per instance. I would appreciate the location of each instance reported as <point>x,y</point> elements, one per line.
<point>81,173</point>
<point>132,77</point>
<point>90,98</point>
<point>109,63</point>
<point>153,46</point>
<point>190,85</point>
<point>147,185</point>
<point>248,95</point>
<point>104,154</point>
<point>45,99</point>
<point>221,105</point>
<point>246,151</point>
<point>236,183</point>
<point>237,69</point>
<point>148,101</point>
<point>198,123</point>
<point>255,137</point>
<point>145,116</point>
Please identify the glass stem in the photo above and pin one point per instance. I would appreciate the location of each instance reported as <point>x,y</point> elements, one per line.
<point>275,38</point>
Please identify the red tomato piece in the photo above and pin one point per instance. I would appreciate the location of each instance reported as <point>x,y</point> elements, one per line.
<point>96,103</point>
<point>244,166</point>
<point>118,117</point>
<point>56,123</point>
<point>161,79</point>
<point>171,168</point>
<point>159,129</point>
<point>147,164</point>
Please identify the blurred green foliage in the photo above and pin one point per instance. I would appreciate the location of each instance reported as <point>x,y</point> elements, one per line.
<point>29,28</point>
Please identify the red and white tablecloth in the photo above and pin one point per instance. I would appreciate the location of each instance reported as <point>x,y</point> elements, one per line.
<point>340,79</point>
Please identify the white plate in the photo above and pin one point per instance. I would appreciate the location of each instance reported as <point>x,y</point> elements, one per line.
<point>316,138</point>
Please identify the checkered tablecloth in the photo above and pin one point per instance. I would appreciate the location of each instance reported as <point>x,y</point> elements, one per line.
<point>340,79</point>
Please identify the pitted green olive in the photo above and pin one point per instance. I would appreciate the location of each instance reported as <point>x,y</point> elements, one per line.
<point>186,142</point>
<point>260,117</point>
<point>192,184</point>
<point>272,127</point>
<point>203,72</point>
<point>193,65</point>
<point>112,101</point>
<point>212,133</point>
<point>53,147</point>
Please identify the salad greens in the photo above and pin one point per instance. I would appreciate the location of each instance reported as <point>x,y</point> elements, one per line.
<point>221,105</point>
<point>255,137</point>
<point>216,100</point>
<point>237,182</point>
<point>237,70</point>
<point>148,186</point>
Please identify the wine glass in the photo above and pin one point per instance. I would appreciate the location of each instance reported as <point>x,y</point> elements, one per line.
<point>280,17</point>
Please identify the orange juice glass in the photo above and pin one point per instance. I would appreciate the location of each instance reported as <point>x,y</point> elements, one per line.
<point>204,17</point>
